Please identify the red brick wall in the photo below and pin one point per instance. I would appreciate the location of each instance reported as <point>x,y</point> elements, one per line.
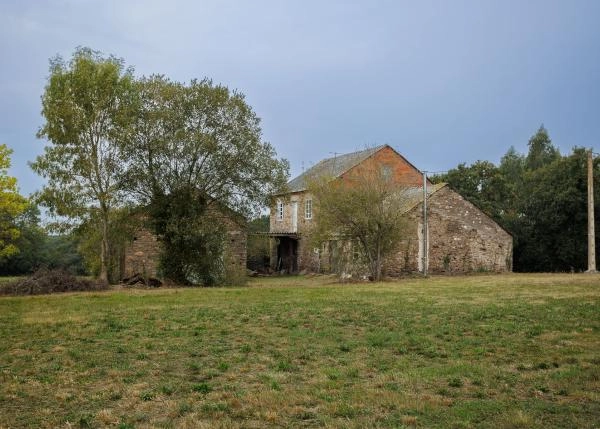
<point>402,172</point>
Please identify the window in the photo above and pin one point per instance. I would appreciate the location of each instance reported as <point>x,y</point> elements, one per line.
<point>308,209</point>
<point>279,210</point>
<point>386,172</point>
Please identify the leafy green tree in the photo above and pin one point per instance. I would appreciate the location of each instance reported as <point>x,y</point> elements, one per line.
<point>12,204</point>
<point>541,150</point>
<point>201,136</point>
<point>198,144</point>
<point>539,198</point>
<point>367,211</point>
<point>87,237</point>
<point>193,239</point>
<point>31,244</point>
<point>38,250</point>
<point>87,104</point>
<point>62,251</point>
<point>511,170</point>
<point>553,223</point>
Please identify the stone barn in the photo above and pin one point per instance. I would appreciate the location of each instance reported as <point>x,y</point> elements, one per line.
<point>461,238</point>
<point>142,251</point>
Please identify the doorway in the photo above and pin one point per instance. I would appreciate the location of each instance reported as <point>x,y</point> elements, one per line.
<point>287,255</point>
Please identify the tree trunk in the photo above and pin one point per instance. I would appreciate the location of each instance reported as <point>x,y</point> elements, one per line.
<point>378,263</point>
<point>104,249</point>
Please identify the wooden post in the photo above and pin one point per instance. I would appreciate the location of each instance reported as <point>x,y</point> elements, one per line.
<point>425,232</point>
<point>591,231</point>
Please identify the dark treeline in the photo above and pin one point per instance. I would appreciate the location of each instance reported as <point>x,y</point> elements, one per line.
<point>539,197</point>
<point>38,249</point>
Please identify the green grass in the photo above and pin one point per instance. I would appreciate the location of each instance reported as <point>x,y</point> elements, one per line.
<point>514,351</point>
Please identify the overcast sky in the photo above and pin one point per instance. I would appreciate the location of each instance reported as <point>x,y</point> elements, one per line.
<point>443,82</point>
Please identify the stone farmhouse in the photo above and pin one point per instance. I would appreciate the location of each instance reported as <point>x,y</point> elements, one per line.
<point>461,238</point>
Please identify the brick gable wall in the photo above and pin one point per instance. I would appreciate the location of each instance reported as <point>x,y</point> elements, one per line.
<point>402,172</point>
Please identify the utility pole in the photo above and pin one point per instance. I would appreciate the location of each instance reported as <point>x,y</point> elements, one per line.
<point>591,231</point>
<point>425,231</point>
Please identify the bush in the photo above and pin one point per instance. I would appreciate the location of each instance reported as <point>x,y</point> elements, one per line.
<point>45,281</point>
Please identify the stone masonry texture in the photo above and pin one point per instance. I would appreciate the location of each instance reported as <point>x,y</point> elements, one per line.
<point>462,239</point>
<point>142,254</point>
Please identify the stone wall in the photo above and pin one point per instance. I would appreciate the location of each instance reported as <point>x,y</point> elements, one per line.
<point>235,247</point>
<point>305,252</point>
<point>142,254</point>
<point>285,225</point>
<point>461,239</point>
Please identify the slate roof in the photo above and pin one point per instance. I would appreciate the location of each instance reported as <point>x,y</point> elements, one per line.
<point>332,167</point>
<point>413,196</point>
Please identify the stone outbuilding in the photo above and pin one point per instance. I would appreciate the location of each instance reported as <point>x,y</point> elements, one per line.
<point>142,252</point>
<point>461,237</point>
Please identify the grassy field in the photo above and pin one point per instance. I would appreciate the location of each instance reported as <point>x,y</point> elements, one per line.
<point>515,351</point>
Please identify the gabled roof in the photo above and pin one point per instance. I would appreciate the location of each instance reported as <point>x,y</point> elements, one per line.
<point>332,167</point>
<point>413,196</point>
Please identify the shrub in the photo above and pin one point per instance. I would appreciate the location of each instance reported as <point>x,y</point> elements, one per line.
<point>45,281</point>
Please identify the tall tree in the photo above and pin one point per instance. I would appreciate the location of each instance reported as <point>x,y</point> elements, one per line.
<point>541,150</point>
<point>87,104</point>
<point>553,222</point>
<point>195,146</point>
<point>31,243</point>
<point>201,136</point>
<point>539,198</point>
<point>12,204</point>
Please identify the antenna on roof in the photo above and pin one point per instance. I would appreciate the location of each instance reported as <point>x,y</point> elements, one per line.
<point>335,154</point>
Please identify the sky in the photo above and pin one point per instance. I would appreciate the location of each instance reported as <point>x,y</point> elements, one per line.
<point>443,82</point>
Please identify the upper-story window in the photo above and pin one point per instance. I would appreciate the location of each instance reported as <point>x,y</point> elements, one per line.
<point>386,172</point>
<point>308,209</point>
<point>279,210</point>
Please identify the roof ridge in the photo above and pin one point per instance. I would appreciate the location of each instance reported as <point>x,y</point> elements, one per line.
<point>351,160</point>
<point>356,152</point>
